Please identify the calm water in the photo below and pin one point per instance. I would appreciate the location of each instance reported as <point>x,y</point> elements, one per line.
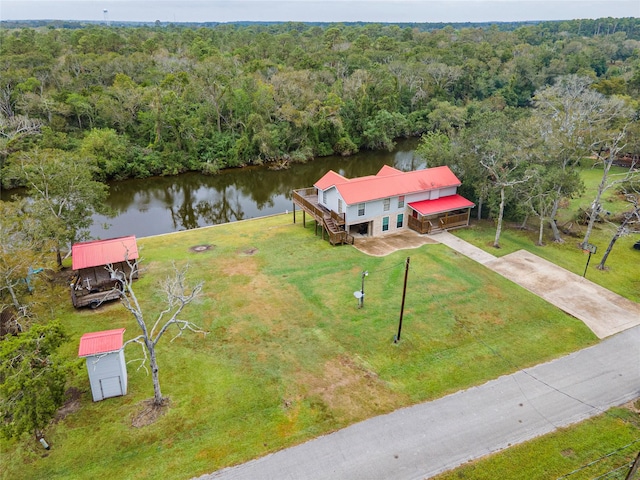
<point>158,205</point>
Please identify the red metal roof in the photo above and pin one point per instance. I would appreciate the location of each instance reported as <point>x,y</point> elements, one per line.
<point>330,179</point>
<point>103,252</point>
<point>101,342</point>
<point>389,182</point>
<point>442,204</point>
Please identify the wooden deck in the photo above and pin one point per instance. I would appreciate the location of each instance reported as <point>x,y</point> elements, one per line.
<point>331,222</point>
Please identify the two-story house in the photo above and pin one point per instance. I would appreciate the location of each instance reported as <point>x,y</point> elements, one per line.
<point>392,200</point>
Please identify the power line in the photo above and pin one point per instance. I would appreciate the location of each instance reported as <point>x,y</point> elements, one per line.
<point>587,465</point>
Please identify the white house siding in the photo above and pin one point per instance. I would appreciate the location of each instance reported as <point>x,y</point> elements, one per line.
<point>375,210</point>
<point>107,375</point>
<point>332,198</point>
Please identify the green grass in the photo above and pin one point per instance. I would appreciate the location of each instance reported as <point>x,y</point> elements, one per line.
<point>595,448</point>
<point>289,355</point>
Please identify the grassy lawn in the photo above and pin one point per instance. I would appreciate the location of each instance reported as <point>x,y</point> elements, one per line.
<point>595,448</point>
<point>289,355</point>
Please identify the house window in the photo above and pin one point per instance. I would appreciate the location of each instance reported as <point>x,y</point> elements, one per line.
<point>401,201</point>
<point>360,209</point>
<point>324,197</point>
<point>386,204</point>
<point>340,205</point>
<point>400,220</point>
<point>385,224</point>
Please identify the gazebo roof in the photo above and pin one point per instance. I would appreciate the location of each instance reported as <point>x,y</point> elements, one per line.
<point>103,252</point>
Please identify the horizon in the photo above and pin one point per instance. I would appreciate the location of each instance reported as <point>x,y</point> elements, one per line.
<point>315,11</point>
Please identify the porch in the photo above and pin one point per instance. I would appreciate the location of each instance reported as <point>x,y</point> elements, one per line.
<point>435,224</point>
<point>433,216</point>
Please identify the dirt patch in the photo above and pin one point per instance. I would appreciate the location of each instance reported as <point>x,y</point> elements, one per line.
<point>249,251</point>
<point>350,390</point>
<point>200,248</point>
<point>149,412</point>
<point>245,266</point>
<point>71,405</point>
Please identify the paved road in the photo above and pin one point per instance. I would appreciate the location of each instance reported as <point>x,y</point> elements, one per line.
<point>423,440</point>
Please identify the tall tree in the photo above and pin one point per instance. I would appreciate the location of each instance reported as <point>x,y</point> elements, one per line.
<point>21,252</point>
<point>503,149</point>
<point>177,295</point>
<point>64,193</point>
<point>32,379</point>
<point>572,120</point>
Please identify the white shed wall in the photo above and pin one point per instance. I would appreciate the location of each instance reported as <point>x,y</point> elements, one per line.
<point>107,375</point>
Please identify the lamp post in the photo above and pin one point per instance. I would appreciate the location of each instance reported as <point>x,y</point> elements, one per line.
<point>361,298</point>
<point>359,294</point>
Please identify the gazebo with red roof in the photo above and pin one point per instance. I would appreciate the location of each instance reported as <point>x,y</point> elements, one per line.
<point>106,365</point>
<point>94,282</point>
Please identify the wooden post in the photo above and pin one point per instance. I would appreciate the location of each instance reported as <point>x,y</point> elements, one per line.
<point>294,212</point>
<point>304,218</point>
<point>634,468</point>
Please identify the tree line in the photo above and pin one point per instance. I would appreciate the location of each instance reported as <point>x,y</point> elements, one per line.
<point>162,100</point>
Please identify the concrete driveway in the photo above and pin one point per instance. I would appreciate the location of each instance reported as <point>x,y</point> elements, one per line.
<point>603,311</point>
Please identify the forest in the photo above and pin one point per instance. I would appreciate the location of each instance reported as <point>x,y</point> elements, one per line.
<point>160,100</point>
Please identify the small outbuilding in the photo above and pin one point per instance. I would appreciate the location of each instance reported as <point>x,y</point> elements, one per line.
<point>94,283</point>
<point>107,369</point>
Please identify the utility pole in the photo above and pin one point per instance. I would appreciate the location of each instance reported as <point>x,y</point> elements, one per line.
<point>404,294</point>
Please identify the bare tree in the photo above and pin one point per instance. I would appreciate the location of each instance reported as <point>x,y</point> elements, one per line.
<point>630,223</point>
<point>177,296</point>
<point>606,157</point>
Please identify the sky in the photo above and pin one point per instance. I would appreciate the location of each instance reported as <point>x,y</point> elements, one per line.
<point>383,11</point>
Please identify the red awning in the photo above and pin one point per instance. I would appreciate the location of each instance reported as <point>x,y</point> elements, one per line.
<point>103,252</point>
<point>96,343</point>
<point>441,205</point>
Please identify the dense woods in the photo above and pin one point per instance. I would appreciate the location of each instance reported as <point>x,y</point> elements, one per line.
<point>151,100</point>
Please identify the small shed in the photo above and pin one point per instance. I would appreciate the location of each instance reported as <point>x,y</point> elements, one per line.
<point>107,369</point>
<point>93,283</point>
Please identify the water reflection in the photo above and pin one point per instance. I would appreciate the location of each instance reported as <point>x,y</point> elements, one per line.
<point>158,205</point>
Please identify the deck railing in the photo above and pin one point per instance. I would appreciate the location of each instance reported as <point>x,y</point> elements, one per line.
<point>420,225</point>
<point>301,198</point>
<point>452,221</point>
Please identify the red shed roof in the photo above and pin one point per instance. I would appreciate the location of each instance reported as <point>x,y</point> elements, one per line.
<point>103,252</point>
<point>389,182</point>
<point>96,343</point>
<point>442,204</point>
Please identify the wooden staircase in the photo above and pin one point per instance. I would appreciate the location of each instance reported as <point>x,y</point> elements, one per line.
<point>336,234</point>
